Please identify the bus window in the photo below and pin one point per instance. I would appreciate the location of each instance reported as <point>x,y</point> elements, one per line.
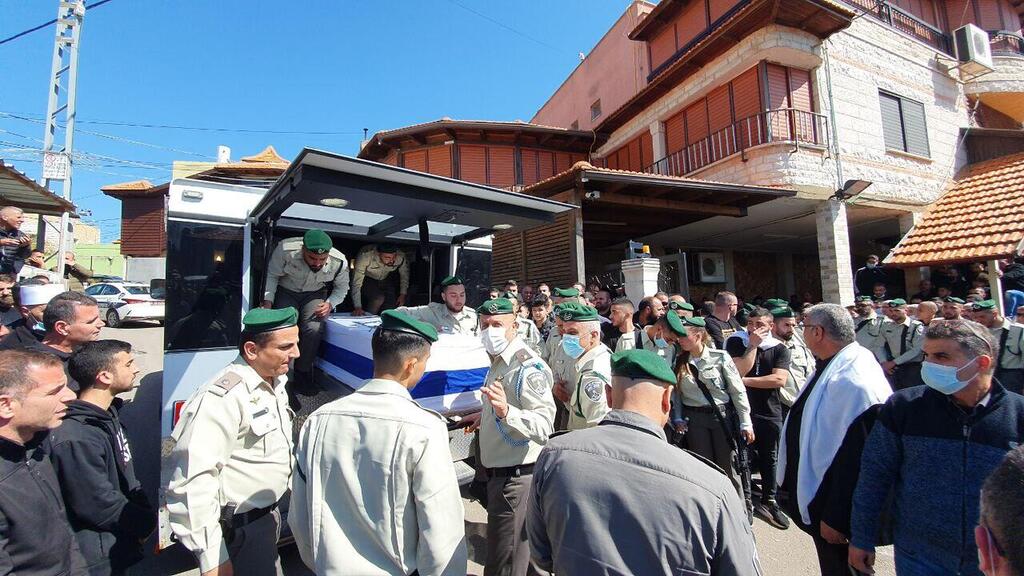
<point>475,270</point>
<point>204,286</point>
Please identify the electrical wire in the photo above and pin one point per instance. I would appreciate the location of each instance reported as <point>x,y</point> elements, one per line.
<point>506,27</point>
<point>45,24</point>
<point>27,117</point>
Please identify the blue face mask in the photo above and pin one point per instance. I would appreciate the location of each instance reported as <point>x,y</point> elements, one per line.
<point>661,342</point>
<point>39,327</point>
<point>943,378</point>
<point>571,346</point>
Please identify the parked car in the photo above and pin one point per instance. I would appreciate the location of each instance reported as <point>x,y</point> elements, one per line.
<point>120,301</point>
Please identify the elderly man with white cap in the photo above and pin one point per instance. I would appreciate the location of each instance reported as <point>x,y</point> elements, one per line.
<point>30,298</point>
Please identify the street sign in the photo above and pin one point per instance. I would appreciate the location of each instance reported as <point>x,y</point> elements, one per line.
<point>56,166</point>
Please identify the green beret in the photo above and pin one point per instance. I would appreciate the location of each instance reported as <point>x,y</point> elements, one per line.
<point>387,248</point>
<point>676,305</point>
<point>984,305</point>
<point>451,281</point>
<point>954,300</point>
<point>675,324</point>
<point>578,313</point>
<point>783,312</point>
<point>749,307</point>
<point>401,322</point>
<point>773,303</point>
<point>496,307</point>
<point>566,293</point>
<point>695,321</point>
<point>865,299</point>
<point>259,320</point>
<point>896,302</point>
<point>642,364</point>
<point>316,240</point>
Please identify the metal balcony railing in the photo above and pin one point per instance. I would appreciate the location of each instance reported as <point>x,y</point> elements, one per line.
<point>1004,42</point>
<point>785,125</point>
<point>906,22</point>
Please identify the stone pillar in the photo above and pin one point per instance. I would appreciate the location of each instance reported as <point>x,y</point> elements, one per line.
<point>834,252</point>
<point>641,277</point>
<point>786,277</point>
<point>912,276</point>
<point>658,141</point>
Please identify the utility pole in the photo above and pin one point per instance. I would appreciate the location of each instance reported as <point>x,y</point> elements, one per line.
<point>70,14</point>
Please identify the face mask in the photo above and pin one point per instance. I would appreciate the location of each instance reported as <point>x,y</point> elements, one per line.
<point>571,345</point>
<point>870,265</point>
<point>661,342</point>
<point>494,340</point>
<point>943,378</point>
<point>39,327</point>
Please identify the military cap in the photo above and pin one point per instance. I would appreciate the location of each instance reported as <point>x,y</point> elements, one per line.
<point>387,248</point>
<point>675,324</point>
<point>865,299</point>
<point>451,281</point>
<point>566,292</point>
<point>316,240</point>
<point>748,307</point>
<point>578,313</point>
<point>676,305</point>
<point>783,312</point>
<point>695,321</point>
<point>984,305</point>
<point>954,300</point>
<point>400,322</point>
<point>773,303</point>
<point>496,307</point>
<point>896,302</point>
<point>260,320</point>
<point>642,364</point>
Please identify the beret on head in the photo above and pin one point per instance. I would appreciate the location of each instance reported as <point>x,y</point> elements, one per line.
<point>642,364</point>
<point>259,320</point>
<point>401,322</point>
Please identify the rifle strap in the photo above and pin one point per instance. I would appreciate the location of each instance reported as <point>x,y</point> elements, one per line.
<point>718,412</point>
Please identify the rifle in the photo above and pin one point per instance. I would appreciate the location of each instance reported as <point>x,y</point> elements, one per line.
<point>740,457</point>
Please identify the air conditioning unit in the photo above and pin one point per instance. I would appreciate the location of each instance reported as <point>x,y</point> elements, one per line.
<point>711,267</point>
<point>973,51</point>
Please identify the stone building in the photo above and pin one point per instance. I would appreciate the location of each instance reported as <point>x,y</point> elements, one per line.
<point>736,132</point>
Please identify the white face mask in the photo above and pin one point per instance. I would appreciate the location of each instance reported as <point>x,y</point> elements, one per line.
<point>494,340</point>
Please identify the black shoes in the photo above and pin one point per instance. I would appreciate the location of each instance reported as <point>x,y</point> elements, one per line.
<point>772,514</point>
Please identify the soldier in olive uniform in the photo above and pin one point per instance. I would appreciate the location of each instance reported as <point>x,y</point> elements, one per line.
<point>232,457</point>
<point>561,368</point>
<point>513,428</point>
<point>681,308</point>
<point>801,361</point>
<point>660,338</point>
<point>450,316</point>
<point>1010,336</point>
<point>310,275</point>
<point>377,270</point>
<point>581,341</point>
<point>869,328</point>
<point>903,337</point>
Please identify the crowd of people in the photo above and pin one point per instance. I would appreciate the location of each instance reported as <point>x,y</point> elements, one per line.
<point>615,437</point>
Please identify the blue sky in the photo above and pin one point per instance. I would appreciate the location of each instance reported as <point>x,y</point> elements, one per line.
<point>286,65</point>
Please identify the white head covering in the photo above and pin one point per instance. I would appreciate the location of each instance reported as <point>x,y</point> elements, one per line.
<point>34,295</point>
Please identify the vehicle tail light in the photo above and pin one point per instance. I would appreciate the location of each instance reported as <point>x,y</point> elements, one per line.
<point>178,405</point>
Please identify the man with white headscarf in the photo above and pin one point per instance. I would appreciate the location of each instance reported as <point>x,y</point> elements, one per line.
<point>825,432</point>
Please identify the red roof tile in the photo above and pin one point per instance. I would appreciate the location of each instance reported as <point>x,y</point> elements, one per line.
<point>980,218</point>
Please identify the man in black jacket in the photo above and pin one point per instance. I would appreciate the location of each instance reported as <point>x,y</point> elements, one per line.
<point>106,505</point>
<point>35,538</point>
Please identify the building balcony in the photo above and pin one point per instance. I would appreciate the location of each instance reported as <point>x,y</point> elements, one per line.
<point>899,19</point>
<point>1002,89</point>
<point>783,126</point>
<point>1005,43</point>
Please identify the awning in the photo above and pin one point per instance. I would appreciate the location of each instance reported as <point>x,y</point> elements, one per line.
<point>19,190</point>
<point>371,201</point>
<point>980,218</point>
<point>617,204</point>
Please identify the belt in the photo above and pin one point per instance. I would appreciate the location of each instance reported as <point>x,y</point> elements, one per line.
<point>510,471</point>
<point>700,409</point>
<point>245,518</point>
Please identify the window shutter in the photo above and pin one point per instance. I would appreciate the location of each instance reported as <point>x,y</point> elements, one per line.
<point>915,128</point>
<point>892,123</point>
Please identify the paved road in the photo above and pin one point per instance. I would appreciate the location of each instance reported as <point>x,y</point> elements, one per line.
<point>783,553</point>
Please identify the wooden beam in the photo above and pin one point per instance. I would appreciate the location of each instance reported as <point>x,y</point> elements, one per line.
<point>418,138</point>
<point>675,205</point>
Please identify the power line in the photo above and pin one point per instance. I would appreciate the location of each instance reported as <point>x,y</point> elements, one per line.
<point>45,24</point>
<point>506,27</point>
<point>203,128</point>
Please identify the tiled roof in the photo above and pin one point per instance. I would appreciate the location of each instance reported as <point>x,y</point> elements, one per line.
<point>134,185</point>
<point>268,159</point>
<point>980,218</point>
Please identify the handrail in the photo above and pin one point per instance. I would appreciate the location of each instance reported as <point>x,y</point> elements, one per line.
<point>783,125</point>
<point>900,19</point>
<point>1006,42</point>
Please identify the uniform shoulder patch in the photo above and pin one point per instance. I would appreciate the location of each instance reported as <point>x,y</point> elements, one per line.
<point>593,387</point>
<point>539,381</point>
<point>225,383</point>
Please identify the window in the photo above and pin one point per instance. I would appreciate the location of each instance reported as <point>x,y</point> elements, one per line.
<point>93,290</point>
<point>110,290</point>
<point>137,289</point>
<point>903,124</point>
<point>595,109</point>
<point>204,285</point>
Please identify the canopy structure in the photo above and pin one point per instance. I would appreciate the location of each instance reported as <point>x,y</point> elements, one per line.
<point>371,201</point>
<point>19,190</point>
<point>981,218</point>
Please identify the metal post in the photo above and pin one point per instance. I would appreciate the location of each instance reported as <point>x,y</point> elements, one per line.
<point>995,284</point>
<point>70,14</point>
